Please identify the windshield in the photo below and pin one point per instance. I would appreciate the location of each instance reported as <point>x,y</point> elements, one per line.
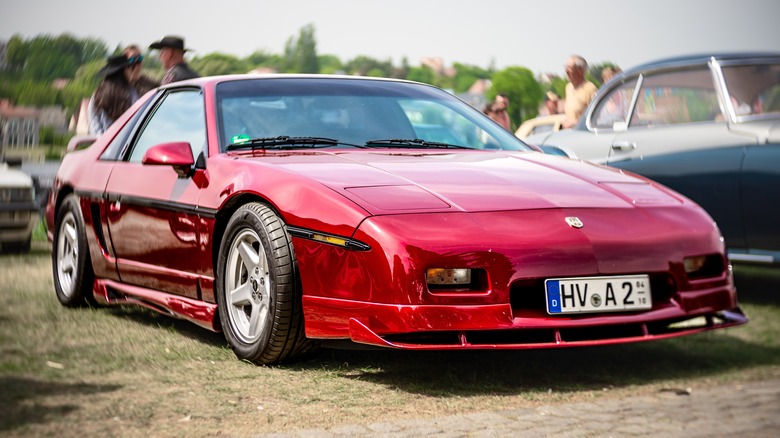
<point>355,113</point>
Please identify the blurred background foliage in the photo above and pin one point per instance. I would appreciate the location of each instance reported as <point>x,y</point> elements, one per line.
<point>62,70</point>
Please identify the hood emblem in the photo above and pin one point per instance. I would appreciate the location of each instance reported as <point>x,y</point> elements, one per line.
<point>574,222</point>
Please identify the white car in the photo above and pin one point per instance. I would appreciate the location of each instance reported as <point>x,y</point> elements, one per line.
<point>18,211</point>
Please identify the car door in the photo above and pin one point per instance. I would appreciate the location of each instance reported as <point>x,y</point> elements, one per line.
<point>593,140</point>
<point>761,190</point>
<point>678,136</point>
<point>152,219</point>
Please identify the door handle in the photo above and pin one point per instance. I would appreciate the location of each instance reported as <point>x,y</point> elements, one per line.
<point>624,145</point>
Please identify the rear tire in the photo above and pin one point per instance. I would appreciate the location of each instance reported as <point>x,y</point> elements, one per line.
<point>258,296</point>
<point>71,264</point>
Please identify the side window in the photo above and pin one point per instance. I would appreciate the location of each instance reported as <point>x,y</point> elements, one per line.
<point>754,88</point>
<point>180,117</point>
<point>114,150</point>
<point>614,106</point>
<point>685,96</point>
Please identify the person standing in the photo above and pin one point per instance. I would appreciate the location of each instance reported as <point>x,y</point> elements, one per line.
<point>500,113</point>
<point>113,96</point>
<point>550,106</point>
<point>608,73</point>
<point>172,59</point>
<point>579,91</point>
<point>137,79</point>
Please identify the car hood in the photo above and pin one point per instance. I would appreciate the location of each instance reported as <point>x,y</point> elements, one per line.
<point>13,178</point>
<point>471,181</point>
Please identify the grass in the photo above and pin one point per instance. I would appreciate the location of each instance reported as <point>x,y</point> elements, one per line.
<point>95,371</point>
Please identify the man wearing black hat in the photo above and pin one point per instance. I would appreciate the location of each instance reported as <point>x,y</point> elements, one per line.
<point>172,58</point>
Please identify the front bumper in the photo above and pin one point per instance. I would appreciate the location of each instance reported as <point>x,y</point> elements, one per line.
<point>17,222</point>
<point>495,326</point>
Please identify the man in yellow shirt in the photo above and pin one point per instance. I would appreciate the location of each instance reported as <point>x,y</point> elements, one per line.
<point>579,91</point>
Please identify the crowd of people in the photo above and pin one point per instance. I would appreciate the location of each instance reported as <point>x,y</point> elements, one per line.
<point>123,81</point>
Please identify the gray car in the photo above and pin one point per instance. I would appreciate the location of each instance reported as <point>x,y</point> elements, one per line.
<point>707,126</point>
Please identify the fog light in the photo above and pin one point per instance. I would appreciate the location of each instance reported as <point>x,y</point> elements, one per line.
<point>698,267</point>
<point>694,264</point>
<point>448,277</point>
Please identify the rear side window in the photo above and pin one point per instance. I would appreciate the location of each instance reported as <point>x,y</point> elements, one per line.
<point>754,89</point>
<point>685,96</point>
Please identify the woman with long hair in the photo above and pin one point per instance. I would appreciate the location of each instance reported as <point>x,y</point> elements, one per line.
<point>115,93</point>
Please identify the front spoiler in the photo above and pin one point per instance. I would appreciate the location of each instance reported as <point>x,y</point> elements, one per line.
<point>462,340</point>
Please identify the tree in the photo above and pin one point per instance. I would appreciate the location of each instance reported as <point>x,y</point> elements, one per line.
<point>422,74</point>
<point>466,75</point>
<point>330,64</point>
<point>92,49</point>
<point>15,54</point>
<point>361,65</point>
<point>558,86</point>
<point>45,58</point>
<point>33,93</point>
<point>219,64</point>
<point>301,54</point>
<point>263,59</point>
<point>524,92</point>
<point>401,72</point>
<point>82,86</point>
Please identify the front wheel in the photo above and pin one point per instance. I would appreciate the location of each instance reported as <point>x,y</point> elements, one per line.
<point>71,265</point>
<point>258,297</point>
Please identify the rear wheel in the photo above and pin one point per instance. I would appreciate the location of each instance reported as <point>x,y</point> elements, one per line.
<point>258,296</point>
<point>71,265</point>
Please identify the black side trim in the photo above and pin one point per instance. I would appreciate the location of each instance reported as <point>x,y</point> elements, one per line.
<point>349,243</point>
<point>152,203</point>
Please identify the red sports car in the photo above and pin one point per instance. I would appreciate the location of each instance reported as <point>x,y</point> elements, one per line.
<point>294,211</point>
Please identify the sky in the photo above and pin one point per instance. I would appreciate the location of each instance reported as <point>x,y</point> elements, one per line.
<point>539,35</point>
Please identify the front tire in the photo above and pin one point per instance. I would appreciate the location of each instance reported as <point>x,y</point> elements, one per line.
<point>258,297</point>
<point>71,264</point>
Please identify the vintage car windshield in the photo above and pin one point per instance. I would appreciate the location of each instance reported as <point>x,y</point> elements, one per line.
<point>754,89</point>
<point>354,112</point>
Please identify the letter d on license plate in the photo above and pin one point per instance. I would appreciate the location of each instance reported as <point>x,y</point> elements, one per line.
<point>598,294</point>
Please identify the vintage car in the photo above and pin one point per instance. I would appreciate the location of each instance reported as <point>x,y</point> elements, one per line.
<point>18,211</point>
<point>708,127</point>
<point>292,211</point>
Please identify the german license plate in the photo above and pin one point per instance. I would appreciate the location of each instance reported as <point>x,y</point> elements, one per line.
<point>598,294</point>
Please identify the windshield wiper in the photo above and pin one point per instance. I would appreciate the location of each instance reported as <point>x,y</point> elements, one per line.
<point>283,142</point>
<point>411,143</point>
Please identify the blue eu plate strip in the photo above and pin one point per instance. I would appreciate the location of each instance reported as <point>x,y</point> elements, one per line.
<point>553,296</point>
